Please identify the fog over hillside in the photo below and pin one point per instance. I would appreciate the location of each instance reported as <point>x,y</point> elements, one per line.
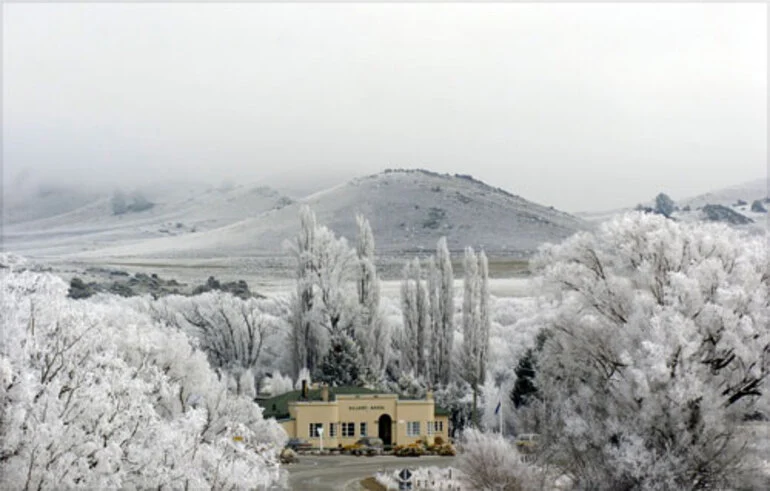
<point>409,212</point>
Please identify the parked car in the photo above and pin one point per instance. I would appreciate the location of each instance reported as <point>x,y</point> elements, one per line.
<point>298,444</point>
<point>368,445</point>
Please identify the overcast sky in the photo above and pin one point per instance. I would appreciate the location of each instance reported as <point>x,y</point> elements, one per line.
<point>580,106</point>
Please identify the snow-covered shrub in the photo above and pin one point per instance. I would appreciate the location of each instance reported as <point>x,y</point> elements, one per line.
<point>489,462</point>
<point>658,347</point>
<point>95,395</point>
<point>277,384</point>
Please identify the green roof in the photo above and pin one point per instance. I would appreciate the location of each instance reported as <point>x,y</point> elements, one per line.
<point>441,411</point>
<point>278,407</point>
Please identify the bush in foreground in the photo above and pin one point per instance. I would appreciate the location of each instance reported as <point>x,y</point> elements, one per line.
<point>489,462</point>
<point>95,395</point>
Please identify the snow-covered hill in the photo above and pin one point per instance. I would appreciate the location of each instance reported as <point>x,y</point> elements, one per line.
<point>738,199</point>
<point>27,204</point>
<point>409,211</point>
<point>34,227</point>
<point>748,192</point>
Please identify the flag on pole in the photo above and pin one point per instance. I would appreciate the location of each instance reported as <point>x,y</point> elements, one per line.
<point>499,409</point>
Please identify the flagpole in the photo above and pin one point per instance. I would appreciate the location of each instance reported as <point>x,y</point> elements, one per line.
<point>500,413</point>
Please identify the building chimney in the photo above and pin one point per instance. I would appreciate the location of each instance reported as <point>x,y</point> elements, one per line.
<point>325,392</point>
<point>429,395</point>
<point>304,389</point>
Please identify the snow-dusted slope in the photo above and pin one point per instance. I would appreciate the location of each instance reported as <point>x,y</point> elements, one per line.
<point>40,202</point>
<point>408,210</point>
<point>178,210</point>
<point>738,198</point>
<point>748,191</point>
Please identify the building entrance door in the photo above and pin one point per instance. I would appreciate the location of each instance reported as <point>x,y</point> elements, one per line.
<point>385,429</point>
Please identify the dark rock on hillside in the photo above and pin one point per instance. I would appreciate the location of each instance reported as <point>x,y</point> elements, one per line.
<point>758,207</point>
<point>237,288</point>
<point>121,283</point>
<point>720,213</point>
<point>80,289</point>
<point>664,205</point>
<point>122,204</point>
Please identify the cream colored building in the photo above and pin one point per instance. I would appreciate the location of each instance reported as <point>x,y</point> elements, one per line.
<point>349,413</point>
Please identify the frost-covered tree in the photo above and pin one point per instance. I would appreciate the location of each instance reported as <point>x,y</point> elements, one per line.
<point>414,305</point>
<point>305,332</point>
<point>434,322</point>
<point>372,332</point>
<point>455,397</point>
<point>94,394</point>
<point>476,323</point>
<point>304,376</point>
<point>334,264</point>
<point>658,347</point>
<point>485,315</point>
<point>408,384</point>
<point>276,384</point>
<point>323,305</point>
<point>239,336</point>
<point>443,310</point>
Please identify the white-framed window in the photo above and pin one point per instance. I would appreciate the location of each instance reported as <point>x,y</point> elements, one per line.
<point>412,428</point>
<point>314,427</point>
<point>348,429</point>
<point>362,431</point>
<point>430,427</point>
<point>332,430</point>
<point>438,426</point>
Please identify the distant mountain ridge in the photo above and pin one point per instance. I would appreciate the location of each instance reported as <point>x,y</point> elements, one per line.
<point>730,205</point>
<point>409,210</point>
<point>747,191</point>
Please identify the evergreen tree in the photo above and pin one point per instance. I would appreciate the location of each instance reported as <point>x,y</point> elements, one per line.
<point>341,364</point>
<point>524,389</point>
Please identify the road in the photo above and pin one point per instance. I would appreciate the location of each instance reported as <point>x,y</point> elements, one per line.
<point>344,472</point>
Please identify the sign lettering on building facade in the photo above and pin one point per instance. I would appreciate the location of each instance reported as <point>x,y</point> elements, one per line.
<point>364,408</point>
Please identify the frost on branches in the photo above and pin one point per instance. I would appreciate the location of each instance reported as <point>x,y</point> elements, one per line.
<point>336,308</point>
<point>243,338</point>
<point>656,352</point>
<point>95,395</point>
